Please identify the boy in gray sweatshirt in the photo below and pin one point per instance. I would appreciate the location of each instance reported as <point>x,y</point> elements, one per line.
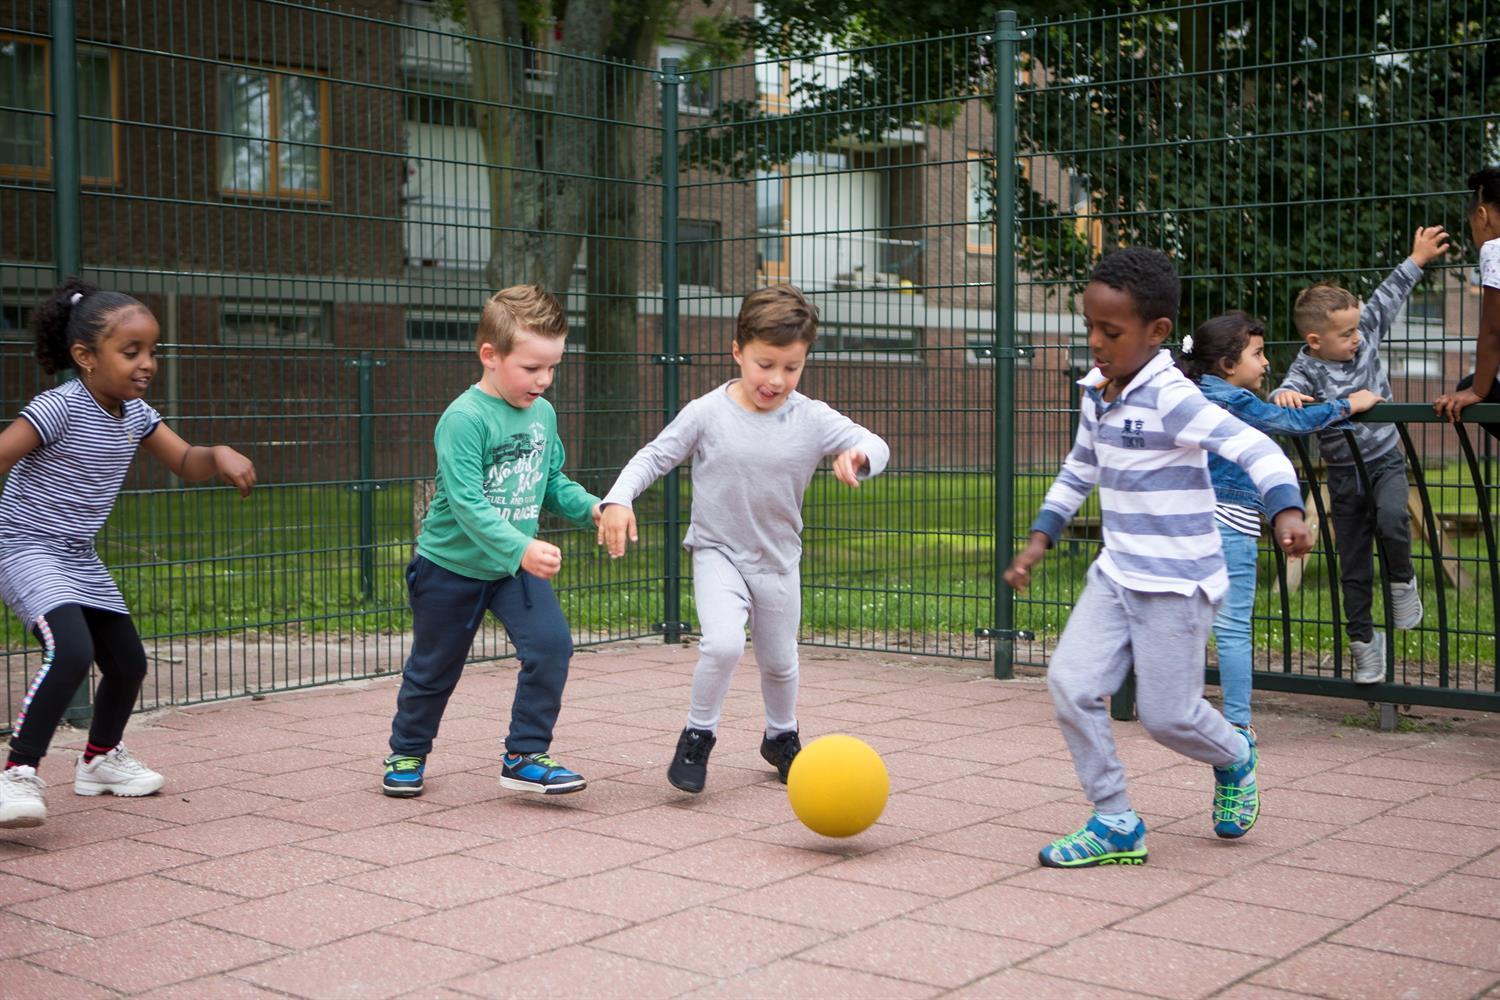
<point>755,443</point>
<point>1341,355</point>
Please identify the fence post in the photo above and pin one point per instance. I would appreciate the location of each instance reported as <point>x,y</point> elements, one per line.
<point>1007,34</point>
<point>672,626</point>
<point>366,363</point>
<point>67,188</point>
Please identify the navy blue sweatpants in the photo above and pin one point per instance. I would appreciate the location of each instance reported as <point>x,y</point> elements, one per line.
<point>446,611</point>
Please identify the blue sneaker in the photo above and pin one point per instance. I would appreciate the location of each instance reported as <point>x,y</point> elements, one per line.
<point>538,772</point>
<point>403,775</point>
<point>1096,844</point>
<point>1236,797</point>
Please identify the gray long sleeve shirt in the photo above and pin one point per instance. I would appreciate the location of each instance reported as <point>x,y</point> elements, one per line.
<point>750,471</point>
<point>1331,380</point>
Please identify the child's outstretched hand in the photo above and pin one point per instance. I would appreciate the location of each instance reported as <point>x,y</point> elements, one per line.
<point>1430,243</point>
<point>541,559</point>
<point>1450,405</point>
<point>1290,531</point>
<point>1363,400</point>
<point>235,469</point>
<point>1018,573</point>
<point>616,524</point>
<point>1290,399</point>
<point>848,466</point>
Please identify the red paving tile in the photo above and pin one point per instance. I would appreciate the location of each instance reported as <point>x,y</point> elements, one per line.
<point>117,907</point>
<point>1146,965</point>
<point>21,979</point>
<point>156,956</point>
<point>1376,865</point>
<point>310,916</point>
<point>367,967</point>
<point>582,972</point>
<point>926,953</point>
<point>1343,973</point>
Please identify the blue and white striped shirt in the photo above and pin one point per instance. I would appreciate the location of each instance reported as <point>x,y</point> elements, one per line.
<point>1147,451</point>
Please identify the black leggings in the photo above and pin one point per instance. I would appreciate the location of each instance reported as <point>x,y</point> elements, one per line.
<point>73,637</point>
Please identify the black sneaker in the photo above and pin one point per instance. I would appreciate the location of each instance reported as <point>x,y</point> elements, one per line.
<point>689,768</point>
<point>781,751</point>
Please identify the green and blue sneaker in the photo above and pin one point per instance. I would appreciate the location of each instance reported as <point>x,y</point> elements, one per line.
<point>538,772</point>
<point>1097,844</point>
<point>1236,797</point>
<point>403,775</point>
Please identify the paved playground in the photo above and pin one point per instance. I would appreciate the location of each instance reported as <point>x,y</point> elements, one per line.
<point>272,866</point>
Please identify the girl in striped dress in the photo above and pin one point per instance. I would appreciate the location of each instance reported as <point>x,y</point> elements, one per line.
<point>66,458</point>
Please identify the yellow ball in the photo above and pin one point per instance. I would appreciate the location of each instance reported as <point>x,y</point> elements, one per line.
<point>838,785</point>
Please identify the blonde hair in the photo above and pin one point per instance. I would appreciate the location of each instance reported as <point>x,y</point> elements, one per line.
<point>777,314</point>
<point>517,309</point>
<point>1310,313</point>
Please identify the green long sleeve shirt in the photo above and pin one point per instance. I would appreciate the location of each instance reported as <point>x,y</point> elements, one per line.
<point>498,468</point>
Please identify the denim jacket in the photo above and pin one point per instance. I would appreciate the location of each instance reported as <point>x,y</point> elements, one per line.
<point>1231,483</point>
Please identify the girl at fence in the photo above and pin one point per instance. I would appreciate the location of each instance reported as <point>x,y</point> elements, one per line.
<point>1226,356</point>
<point>1484,222</point>
<point>67,457</point>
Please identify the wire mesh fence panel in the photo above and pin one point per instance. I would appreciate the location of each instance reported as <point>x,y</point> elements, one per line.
<point>1265,147</point>
<point>316,202</point>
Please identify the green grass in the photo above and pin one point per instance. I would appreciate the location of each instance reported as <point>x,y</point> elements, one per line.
<point>907,556</point>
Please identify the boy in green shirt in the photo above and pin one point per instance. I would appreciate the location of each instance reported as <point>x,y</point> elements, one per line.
<point>499,465</point>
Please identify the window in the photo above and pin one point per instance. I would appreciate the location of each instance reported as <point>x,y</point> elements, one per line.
<point>1416,364</point>
<point>440,106</point>
<point>276,141</point>
<point>440,330</point>
<point>26,134</point>
<point>699,93</point>
<point>981,210</point>
<point>698,253</point>
<point>843,339</point>
<point>1425,305</point>
<point>272,324</point>
<point>773,249</point>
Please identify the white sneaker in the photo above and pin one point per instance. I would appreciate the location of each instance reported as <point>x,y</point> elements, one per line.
<point>1369,659</point>
<point>21,802</point>
<point>1406,604</point>
<point>118,772</point>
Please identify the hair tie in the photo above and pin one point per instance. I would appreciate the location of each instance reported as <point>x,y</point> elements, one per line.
<point>1187,346</point>
<point>75,298</point>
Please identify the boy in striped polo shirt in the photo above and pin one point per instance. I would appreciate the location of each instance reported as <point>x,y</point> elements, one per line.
<point>1144,434</point>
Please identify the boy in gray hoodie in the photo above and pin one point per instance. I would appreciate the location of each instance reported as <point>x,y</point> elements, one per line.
<point>1340,356</point>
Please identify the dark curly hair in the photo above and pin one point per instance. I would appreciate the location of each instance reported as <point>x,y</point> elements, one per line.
<point>1217,341</point>
<point>60,322</point>
<point>1147,276</point>
<point>1485,185</point>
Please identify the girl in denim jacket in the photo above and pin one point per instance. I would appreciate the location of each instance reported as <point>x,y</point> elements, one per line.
<point>1226,356</point>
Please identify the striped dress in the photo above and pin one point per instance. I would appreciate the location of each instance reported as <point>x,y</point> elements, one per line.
<point>58,497</point>
<point>1147,451</point>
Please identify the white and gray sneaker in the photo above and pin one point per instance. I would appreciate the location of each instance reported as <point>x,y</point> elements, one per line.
<point>1369,659</point>
<point>118,772</point>
<point>1406,604</point>
<point>21,802</point>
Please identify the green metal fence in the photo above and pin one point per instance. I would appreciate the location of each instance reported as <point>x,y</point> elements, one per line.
<point>315,204</point>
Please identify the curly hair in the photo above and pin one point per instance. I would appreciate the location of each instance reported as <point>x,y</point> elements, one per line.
<point>1147,276</point>
<point>1486,187</point>
<point>75,313</point>
<point>1217,341</point>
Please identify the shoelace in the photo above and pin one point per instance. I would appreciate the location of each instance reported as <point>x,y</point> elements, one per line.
<point>696,753</point>
<point>125,761</point>
<point>32,780</point>
<point>1082,844</point>
<point>406,764</point>
<point>545,760</point>
<point>1229,800</point>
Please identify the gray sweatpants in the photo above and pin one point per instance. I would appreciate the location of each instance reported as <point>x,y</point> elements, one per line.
<point>773,605</point>
<point>1163,636</point>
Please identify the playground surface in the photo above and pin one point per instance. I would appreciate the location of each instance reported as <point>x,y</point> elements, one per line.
<point>272,866</point>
